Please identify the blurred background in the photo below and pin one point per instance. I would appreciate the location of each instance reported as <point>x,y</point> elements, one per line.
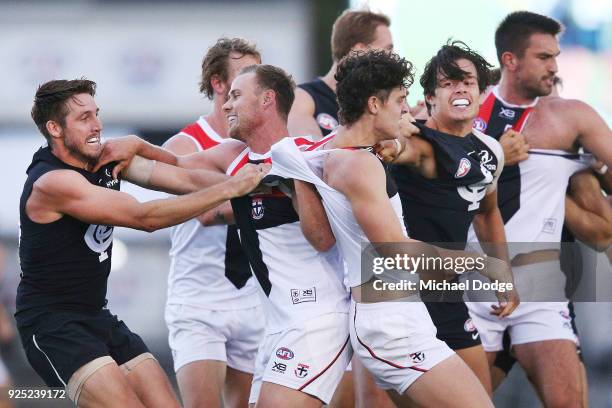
<point>146,57</point>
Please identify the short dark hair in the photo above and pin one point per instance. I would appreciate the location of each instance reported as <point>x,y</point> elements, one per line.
<point>276,79</point>
<point>353,27</point>
<point>361,75</point>
<point>513,33</point>
<point>216,58</point>
<point>445,63</point>
<point>50,101</point>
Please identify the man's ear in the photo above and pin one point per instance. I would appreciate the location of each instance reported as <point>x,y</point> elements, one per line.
<point>374,104</point>
<point>269,98</point>
<point>218,84</point>
<point>54,129</point>
<point>359,47</point>
<point>509,61</point>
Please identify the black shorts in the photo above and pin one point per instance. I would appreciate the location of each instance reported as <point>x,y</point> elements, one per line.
<point>455,327</point>
<point>504,360</point>
<point>59,343</point>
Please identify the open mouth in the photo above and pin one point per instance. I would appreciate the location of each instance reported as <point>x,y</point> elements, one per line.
<point>231,119</point>
<point>93,140</point>
<point>461,103</point>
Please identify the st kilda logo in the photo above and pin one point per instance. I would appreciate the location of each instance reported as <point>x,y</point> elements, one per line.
<point>301,370</point>
<point>284,353</point>
<point>257,210</point>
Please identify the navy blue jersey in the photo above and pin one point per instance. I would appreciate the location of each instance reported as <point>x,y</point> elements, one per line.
<point>442,209</point>
<point>494,118</point>
<point>64,263</point>
<point>326,104</point>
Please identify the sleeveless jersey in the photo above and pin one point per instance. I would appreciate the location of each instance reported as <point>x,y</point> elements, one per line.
<point>306,163</point>
<point>65,263</point>
<point>531,193</point>
<point>208,267</point>
<point>297,282</point>
<point>326,104</point>
<point>442,209</point>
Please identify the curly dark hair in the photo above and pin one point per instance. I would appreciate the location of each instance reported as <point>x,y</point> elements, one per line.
<point>445,63</point>
<point>50,101</point>
<point>361,75</point>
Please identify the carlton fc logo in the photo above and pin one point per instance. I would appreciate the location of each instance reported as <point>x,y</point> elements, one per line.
<point>257,211</point>
<point>464,168</point>
<point>327,121</point>
<point>479,124</point>
<point>98,238</point>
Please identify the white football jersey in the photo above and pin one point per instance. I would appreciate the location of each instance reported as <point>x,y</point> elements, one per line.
<point>208,268</point>
<point>307,164</point>
<point>297,282</point>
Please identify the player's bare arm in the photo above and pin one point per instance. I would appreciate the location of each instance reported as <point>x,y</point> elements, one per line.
<point>220,215</point>
<point>593,132</point>
<point>604,175</point>
<point>123,150</point>
<point>301,120</point>
<point>182,145</point>
<point>418,154</point>
<point>313,219</point>
<point>588,214</point>
<point>66,192</point>
<point>170,179</point>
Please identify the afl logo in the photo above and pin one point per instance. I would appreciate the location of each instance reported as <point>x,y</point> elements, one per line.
<point>99,237</point>
<point>327,121</point>
<point>257,210</point>
<point>464,168</point>
<point>284,353</point>
<point>479,124</point>
<point>469,326</point>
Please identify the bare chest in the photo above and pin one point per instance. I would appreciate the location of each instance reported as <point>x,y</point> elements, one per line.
<point>547,129</point>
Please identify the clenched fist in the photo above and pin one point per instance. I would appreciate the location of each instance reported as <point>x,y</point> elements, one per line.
<point>515,147</point>
<point>247,178</point>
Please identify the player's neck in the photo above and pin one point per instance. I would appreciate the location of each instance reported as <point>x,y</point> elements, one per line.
<point>454,128</point>
<point>359,134</point>
<point>262,138</point>
<point>217,120</point>
<point>511,91</point>
<point>70,159</point>
<point>329,78</point>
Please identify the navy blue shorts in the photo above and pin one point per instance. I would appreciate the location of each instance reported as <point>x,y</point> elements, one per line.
<point>454,324</point>
<point>58,343</point>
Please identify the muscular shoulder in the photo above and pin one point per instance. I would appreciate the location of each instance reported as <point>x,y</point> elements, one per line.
<point>566,108</point>
<point>352,169</point>
<point>59,183</point>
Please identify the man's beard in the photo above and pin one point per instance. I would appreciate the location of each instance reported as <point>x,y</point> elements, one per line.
<point>535,89</point>
<point>73,149</point>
